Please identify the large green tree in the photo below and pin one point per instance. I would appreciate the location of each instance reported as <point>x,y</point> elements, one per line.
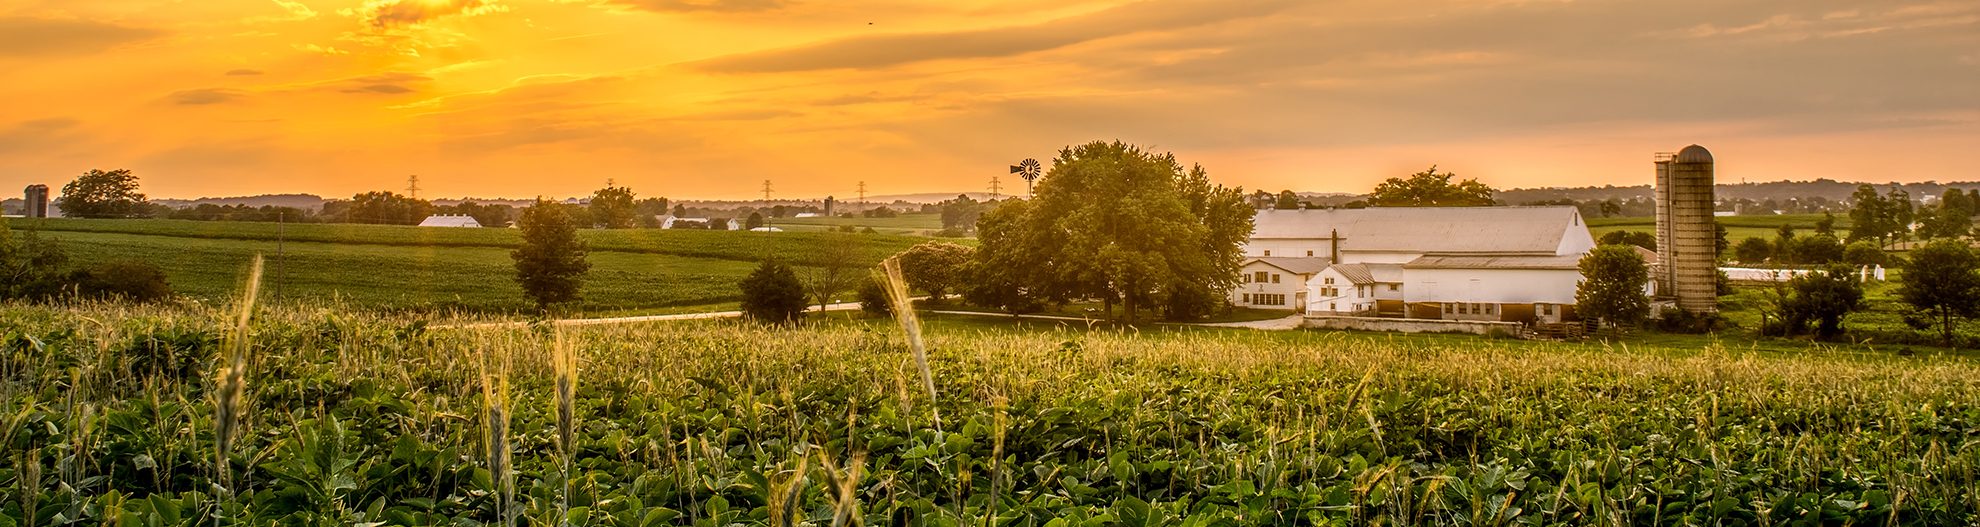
<point>550,264</point>
<point>1942,280</point>
<point>935,267</point>
<point>1114,223</point>
<point>1611,290</point>
<point>614,208</point>
<point>100,194</point>
<point>1430,188</point>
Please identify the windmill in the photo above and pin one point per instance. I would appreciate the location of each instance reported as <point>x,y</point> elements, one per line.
<point>1027,169</point>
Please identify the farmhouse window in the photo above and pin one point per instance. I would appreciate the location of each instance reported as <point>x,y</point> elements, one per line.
<point>1259,276</point>
<point>1275,278</point>
<point>1330,280</point>
<point>1393,287</point>
<point>1268,252</point>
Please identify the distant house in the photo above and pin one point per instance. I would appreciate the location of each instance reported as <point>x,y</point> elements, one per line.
<point>450,220</point>
<point>673,222</point>
<point>1512,264</point>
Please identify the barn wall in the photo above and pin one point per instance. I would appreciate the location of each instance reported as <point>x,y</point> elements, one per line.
<point>1497,286</point>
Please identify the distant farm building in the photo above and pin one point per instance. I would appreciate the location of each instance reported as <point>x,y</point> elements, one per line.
<point>36,205</point>
<point>450,220</point>
<point>766,229</point>
<point>1494,264</point>
<point>670,221</point>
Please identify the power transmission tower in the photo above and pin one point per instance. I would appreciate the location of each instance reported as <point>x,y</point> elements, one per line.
<point>766,192</point>
<point>996,188</point>
<point>412,186</point>
<point>862,196</point>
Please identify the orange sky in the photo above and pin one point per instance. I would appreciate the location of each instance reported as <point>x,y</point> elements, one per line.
<point>708,98</point>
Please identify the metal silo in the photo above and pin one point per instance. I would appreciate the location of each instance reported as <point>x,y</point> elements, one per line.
<point>1660,194</point>
<point>1688,253</point>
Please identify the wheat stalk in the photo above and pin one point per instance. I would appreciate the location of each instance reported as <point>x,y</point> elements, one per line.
<point>564,362</point>
<point>495,410</point>
<point>897,295</point>
<point>229,403</point>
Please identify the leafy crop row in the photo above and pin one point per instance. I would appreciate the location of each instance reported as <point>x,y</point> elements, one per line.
<point>376,419</point>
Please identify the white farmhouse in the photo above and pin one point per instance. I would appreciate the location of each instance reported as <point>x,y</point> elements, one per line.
<point>448,220</point>
<point>1514,264</point>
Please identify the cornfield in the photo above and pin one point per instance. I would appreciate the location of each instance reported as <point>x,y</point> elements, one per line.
<point>108,414</point>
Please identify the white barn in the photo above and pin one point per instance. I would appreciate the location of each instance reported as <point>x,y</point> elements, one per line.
<point>449,220</point>
<point>1516,264</point>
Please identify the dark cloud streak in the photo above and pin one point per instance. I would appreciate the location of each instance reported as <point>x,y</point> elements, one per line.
<point>41,37</point>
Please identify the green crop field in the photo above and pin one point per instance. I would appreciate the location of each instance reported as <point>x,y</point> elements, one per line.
<point>354,419</point>
<point>908,223</point>
<point>796,247</point>
<point>1737,227</point>
<point>411,277</point>
<point>399,267</point>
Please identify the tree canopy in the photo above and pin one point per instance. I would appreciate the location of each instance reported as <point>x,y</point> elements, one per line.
<point>1942,280</point>
<point>1612,283</point>
<point>1114,223</point>
<point>614,208</point>
<point>935,267</point>
<point>550,264</point>
<point>100,194</point>
<point>1430,188</point>
<point>772,293</point>
<point>382,207</point>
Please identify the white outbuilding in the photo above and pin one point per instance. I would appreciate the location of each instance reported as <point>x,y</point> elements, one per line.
<point>450,220</point>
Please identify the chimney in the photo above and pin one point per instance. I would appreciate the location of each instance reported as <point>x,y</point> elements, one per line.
<point>1335,245</point>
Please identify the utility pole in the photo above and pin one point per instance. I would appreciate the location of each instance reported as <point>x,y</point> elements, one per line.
<point>281,262</point>
<point>412,186</point>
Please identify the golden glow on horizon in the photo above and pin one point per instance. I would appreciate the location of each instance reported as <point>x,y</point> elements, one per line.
<point>707,98</point>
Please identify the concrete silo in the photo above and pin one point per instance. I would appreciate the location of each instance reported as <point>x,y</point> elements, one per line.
<point>1686,232</point>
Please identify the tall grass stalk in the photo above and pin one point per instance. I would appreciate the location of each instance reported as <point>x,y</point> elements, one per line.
<point>495,412</point>
<point>564,363</point>
<point>229,399</point>
<point>897,295</point>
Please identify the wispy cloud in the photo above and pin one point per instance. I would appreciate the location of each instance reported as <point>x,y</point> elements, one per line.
<point>205,96</point>
<point>397,13</point>
<point>30,37</point>
<point>903,48</point>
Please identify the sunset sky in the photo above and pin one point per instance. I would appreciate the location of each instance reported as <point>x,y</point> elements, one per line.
<point>708,98</point>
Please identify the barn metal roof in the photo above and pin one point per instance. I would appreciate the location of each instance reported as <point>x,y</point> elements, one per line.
<point>1536,230</point>
<point>1567,262</point>
<point>1294,265</point>
<point>444,220</point>
<point>1362,273</point>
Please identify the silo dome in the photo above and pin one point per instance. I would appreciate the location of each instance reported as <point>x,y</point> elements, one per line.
<point>1694,154</point>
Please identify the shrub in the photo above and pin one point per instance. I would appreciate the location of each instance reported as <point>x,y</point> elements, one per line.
<point>123,280</point>
<point>1674,320</point>
<point>1864,252</point>
<point>773,294</point>
<point>873,298</point>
